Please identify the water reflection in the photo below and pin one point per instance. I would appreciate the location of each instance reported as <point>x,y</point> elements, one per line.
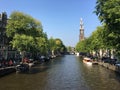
<point>100,78</point>
<point>63,73</point>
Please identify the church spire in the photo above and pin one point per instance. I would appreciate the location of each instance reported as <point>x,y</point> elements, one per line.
<point>81,30</point>
<point>81,23</point>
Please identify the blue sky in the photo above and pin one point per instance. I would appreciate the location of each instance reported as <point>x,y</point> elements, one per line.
<point>60,18</point>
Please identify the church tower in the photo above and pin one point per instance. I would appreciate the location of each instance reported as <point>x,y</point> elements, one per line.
<point>81,37</point>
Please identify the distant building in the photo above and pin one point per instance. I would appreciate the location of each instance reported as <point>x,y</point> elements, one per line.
<point>81,36</point>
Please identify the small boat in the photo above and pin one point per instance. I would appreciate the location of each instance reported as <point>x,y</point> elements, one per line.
<point>22,68</point>
<point>90,61</point>
<point>87,60</point>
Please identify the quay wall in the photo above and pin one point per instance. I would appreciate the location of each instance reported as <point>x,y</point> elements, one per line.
<point>7,70</point>
<point>109,66</point>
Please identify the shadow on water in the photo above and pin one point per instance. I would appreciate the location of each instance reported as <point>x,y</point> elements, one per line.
<point>37,69</point>
<point>115,75</point>
<point>43,67</point>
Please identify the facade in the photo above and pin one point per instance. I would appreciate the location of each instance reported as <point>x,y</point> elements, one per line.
<point>3,37</point>
<point>6,51</point>
<point>3,23</point>
<point>81,36</point>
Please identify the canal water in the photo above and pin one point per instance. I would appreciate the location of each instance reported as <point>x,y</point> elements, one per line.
<point>63,73</point>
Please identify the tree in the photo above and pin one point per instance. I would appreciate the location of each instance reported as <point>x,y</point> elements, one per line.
<point>108,13</point>
<point>23,43</point>
<point>52,45</point>
<point>59,45</point>
<point>42,45</point>
<point>56,46</point>
<point>26,33</point>
<point>95,42</point>
<point>21,23</point>
<point>81,46</point>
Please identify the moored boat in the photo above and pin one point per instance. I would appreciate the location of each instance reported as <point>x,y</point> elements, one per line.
<point>90,61</point>
<point>87,60</point>
<point>22,67</point>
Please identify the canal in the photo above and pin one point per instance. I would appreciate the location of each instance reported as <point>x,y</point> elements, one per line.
<point>63,73</point>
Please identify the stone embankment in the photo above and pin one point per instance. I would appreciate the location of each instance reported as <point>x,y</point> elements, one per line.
<point>113,67</point>
<point>7,70</point>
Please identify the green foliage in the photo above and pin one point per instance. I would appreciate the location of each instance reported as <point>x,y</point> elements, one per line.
<point>108,12</point>
<point>26,33</point>
<point>56,45</point>
<point>23,42</point>
<point>82,46</point>
<point>69,48</point>
<point>52,44</point>
<point>108,35</point>
<point>98,40</point>
<point>21,23</point>
<point>42,45</point>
